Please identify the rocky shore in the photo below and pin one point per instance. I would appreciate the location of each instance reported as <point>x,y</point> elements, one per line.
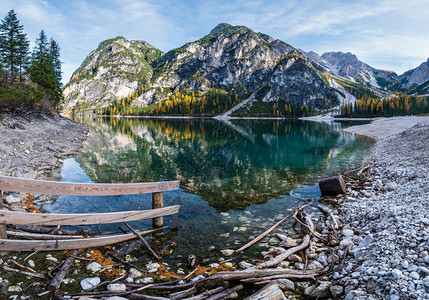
<point>387,235</point>
<point>35,145</point>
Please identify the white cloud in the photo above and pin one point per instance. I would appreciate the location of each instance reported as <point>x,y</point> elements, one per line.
<point>390,34</point>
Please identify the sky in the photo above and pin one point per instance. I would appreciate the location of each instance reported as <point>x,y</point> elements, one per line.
<point>386,34</point>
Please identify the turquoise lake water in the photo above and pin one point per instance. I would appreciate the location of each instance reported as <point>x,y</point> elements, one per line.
<point>237,177</point>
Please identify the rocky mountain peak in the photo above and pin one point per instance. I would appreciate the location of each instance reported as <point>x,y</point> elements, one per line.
<point>220,27</point>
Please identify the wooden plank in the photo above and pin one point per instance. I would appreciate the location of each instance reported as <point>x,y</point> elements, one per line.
<point>50,245</point>
<point>269,292</point>
<point>40,236</point>
<point>24,185</point>
<point>14,217</point>
<point>2,227</point>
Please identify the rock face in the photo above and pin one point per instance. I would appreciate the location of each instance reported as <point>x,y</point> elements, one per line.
<point>115,70</point>
<point>416,80</point>
<point>229,58</point>
<point>347,65</point>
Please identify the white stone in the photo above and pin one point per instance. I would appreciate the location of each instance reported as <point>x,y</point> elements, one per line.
<point>227,252</point>
<point>153,266</point>
<point>51,258</point>
<point>116,287</point>
<point>31,263</point>
<point>94,267</point>
<point>214,265</point>
<point>134,273</point>
<point>89,283</point>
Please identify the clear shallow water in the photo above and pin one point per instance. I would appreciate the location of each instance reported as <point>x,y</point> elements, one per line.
<point>237,177</point>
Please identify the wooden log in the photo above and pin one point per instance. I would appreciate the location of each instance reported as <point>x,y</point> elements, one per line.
<point>225,293</point>
<point>332,186</point>
<point>262,235</point>
<point>269,292</point>
<point>50,245</point>
<point>40,236</point>
<point>48,230</point>
<point>157,203</point>
<point>54,284</point>
<point>24,185</point>
<point>278,259</point>
<point>3,234</point>
<point>14,217</point>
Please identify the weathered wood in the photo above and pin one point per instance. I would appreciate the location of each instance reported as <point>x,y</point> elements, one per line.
<point>328,212</point>
<point>3,234</point>
<point>40,236</point>
<point>48,230</point>
<point>223,294</point>
<point>262,235</point>
<point>50,245</point>
<point>54,284</point>
<point>14,217</point>
<point>24,185</point>
<point>149,249</point>
<point>278,259</point>
<point>157,202</point>
<point>269,292</point>
<point>332,186</point>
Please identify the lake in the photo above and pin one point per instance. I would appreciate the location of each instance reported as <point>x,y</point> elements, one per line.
<point>238,177</point>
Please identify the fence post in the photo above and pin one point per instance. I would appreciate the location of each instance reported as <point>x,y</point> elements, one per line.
<point>157,202</point>
<point>2,227</point>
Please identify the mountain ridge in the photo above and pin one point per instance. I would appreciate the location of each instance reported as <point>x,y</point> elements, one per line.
<point>230,60</point>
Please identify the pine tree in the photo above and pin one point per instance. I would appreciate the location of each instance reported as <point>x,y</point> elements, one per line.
<point>13,45</point>
<point>45,67</point>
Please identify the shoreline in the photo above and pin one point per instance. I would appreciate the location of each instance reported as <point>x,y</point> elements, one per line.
<point>35,146</point>
<point>385,224</point>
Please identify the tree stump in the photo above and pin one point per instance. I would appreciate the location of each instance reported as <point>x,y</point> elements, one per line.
<point>332,186</point>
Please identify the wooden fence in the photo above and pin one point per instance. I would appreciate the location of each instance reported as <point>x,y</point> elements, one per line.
<point>23,185</point>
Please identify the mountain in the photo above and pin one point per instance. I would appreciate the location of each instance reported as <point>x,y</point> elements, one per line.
<point>415,80</point>
<point>115,70</point>
<point>254,66</point>
<point>348,66</point>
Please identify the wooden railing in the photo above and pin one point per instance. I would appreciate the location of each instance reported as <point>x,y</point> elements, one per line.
<point>23,185</point>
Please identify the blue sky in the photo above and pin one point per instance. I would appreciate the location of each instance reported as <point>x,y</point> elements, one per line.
<point>386,34</point>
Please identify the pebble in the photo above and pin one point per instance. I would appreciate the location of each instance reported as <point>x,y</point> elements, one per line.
<point>227,252</point>
<point>388,249</point>
<point>94,267</point>
<point>116,287</point>
<point>89,283</point>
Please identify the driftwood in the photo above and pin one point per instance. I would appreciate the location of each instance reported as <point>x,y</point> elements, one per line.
<point>225,293</point>
<point>328,212</point>
<point>271,291</point>
<point>363,170</point>
<point>47,230</point>
<point>262,235</point>
<point>40,236</point>
<point>24,267</point>
<point>332,186</point>
<point>207,293</point>
<point>54,284</point>
<point>149,249</point>
<point>23,272</point>
<point>278,259</point>
<point>49,245</point>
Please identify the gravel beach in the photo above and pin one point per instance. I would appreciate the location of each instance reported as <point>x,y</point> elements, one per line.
<point>388,224</point>
<point>34,146</point>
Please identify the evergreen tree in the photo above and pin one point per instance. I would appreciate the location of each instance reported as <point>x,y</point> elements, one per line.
<point>45,67</point>
<point>13,45</point>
